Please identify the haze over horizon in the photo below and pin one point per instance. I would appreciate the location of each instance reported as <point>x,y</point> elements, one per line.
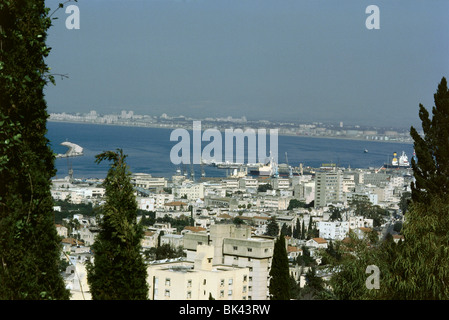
<point>291,60</point>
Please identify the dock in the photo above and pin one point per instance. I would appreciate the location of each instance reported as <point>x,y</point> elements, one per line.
<point>74,150</point>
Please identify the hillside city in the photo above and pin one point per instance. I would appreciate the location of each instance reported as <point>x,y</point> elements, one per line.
<point>213,237</point>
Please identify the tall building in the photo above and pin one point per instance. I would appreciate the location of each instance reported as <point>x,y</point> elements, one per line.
<point>198,279</point>
<point>328,187</point>
<point>234,246</point>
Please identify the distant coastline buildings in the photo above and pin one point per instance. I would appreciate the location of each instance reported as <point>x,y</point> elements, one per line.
<point>314,129</point>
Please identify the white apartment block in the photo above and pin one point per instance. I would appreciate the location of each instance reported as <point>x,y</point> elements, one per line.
<point>198,279</point>
<point>234,246</point>
<point>231,184</point>
<point>154,201</point>
<point>280,183</point>
<point>333,230</point>
<point>192,191</point>
<point>248,183</point>
<point>275,202</point>
<point>338,230</point>
<point>328,187</point>
<point>147,181</point>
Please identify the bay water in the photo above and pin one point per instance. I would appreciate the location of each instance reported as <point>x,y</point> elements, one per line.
<point>148,150</point>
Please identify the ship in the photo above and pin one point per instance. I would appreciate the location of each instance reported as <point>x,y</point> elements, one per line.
<point>267,169</point>
<point>398,162</point>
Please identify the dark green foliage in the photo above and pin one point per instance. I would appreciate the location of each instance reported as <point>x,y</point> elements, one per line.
<point>264,187</point>
<point>164,251</point>
<point>415,269</point>
<point>431,170</point>
<point>305,259</point>
<point>335,214</point>
<point>405,201</point>
<point>272,228</point>
<point>118,271</point>
<point>69,209</point>
<point>238,221</point>
<point>29,245</point>
<point>297,230</point>
<point>179,223</point>
<point>286,230</point>
<point>419,269</point>
<point>295,203</point>
<point>279,273</point>
<point>363,207</point>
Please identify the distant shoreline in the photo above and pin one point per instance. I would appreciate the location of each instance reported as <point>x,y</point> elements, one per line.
<point>158,126</point>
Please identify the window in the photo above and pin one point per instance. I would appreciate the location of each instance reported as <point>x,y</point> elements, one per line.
<point>222,282</point>
<point>167,293</point>
<point>235,248</point>
<point>250,249</point>
<point>189,283</point>
<point>230,282</point>
<point>229,292</point>
<point>221,293</point>
<point>204,281</point>
<point>245,277</point>
<point>189,294</point>
<point>167,282</point>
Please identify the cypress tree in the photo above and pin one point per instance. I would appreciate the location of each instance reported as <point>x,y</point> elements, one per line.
<point>29,245</point>
<point>118,271</point>
<point>272,228</point>
<point>419,270</point>
<point>431,171</point>
<point>279,273</point>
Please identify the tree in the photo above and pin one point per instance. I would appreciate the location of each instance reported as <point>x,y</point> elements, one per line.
<point>335,214</point>
<point>414,269</point>
<point>286,230</point>
<point>297,230</point>
<point>272,228</point>
<point>118,271</point>
<point>29,245</point>
<point>264,187</point>
<point>295,203</point>
<point>279,273</point>
<point>405,201</point>
<point>431,170</point>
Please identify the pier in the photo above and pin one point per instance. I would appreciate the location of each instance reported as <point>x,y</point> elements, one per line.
<point>74,150</point>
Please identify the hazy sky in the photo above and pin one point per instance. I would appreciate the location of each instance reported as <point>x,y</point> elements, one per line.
<point>264,59</point>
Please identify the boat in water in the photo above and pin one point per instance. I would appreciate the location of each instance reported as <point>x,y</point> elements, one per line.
<point>398,162</point>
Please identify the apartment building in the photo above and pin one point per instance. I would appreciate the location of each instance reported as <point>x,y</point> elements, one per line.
<point>190,191</point>
<point>328,187</point>
<point>234,246</point>
<point>199,279</point>
<point>147,181</point>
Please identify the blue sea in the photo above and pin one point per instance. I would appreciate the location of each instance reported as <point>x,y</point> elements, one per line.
<point>148,150</point>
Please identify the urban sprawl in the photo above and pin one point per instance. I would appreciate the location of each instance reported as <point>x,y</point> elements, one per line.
<point>212,237</point>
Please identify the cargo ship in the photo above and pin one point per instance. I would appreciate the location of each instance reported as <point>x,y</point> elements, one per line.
<point>398,162</point>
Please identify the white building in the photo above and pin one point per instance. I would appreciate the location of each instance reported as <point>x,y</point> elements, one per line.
<point>328,187</point>
<point>333,230</point>
<point>192,191</point>
<point>234,246</point>
<point>199,279</point>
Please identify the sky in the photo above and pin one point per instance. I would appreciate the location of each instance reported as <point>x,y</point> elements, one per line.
<point>281,60</point>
